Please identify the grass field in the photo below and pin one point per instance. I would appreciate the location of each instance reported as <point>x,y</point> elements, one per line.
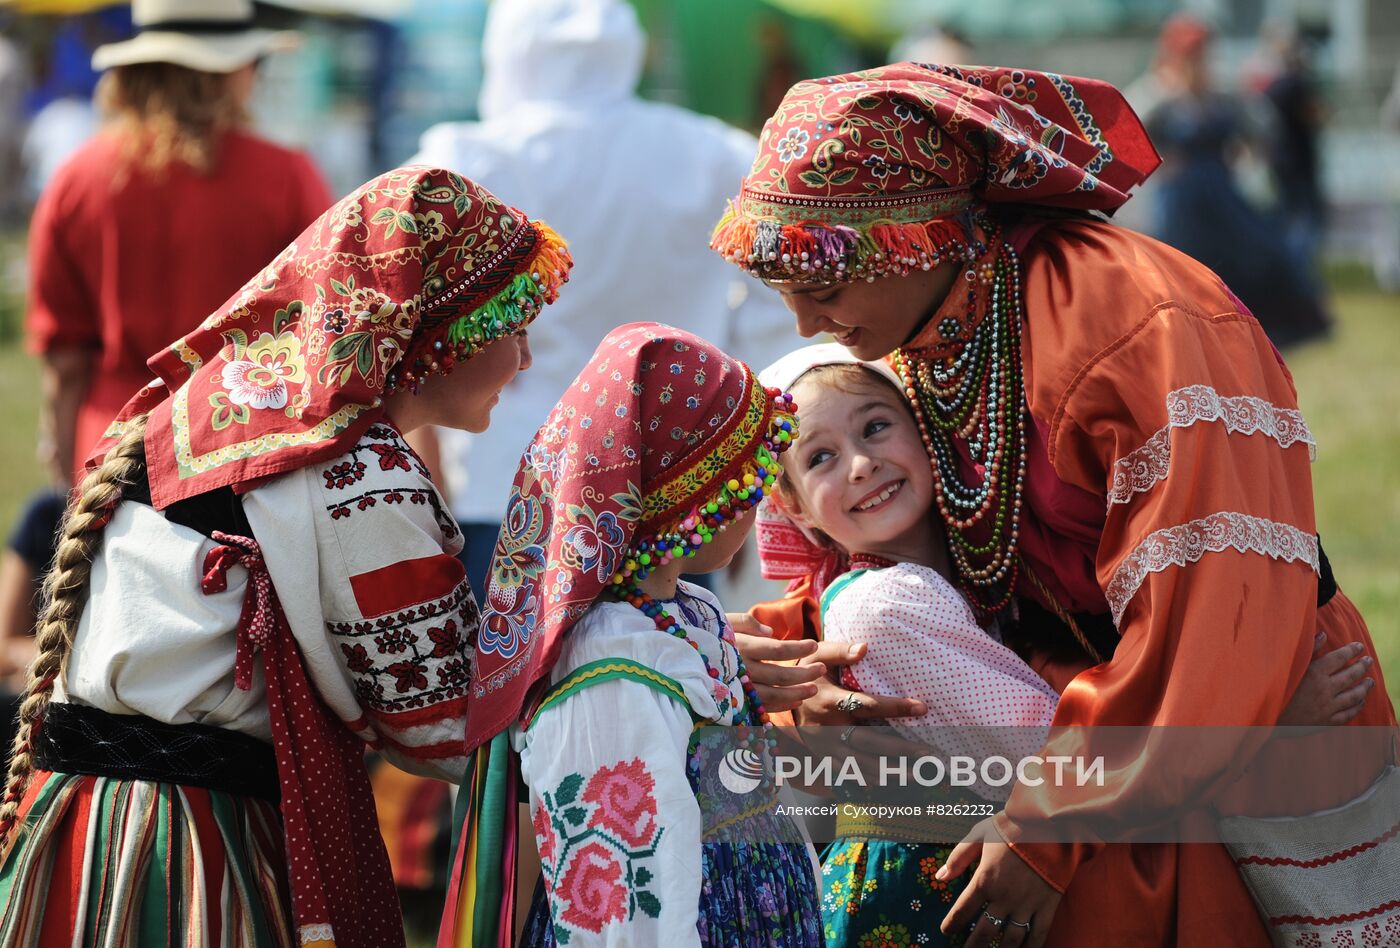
<point>1349,388</point>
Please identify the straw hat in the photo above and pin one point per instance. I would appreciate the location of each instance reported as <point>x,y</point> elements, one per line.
<point>208,35</point>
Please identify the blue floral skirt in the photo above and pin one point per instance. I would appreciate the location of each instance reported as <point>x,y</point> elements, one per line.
<point>878,893</point>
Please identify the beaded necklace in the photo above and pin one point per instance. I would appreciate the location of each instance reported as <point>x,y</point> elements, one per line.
<point>977,396</point>
<point>754,715</point>
<point>870,561</point>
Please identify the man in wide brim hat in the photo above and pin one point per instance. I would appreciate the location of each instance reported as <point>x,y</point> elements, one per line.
<point>208,35</point>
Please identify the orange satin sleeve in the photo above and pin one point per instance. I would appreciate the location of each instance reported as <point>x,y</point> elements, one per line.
<point>1161,395</point>
<point>795,616</point>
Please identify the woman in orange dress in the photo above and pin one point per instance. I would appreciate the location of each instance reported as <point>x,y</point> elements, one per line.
<point>1117,451</point>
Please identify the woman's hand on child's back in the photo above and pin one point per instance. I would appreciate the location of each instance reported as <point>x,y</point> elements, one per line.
<point>1333,689</point>
<point>773,664</point>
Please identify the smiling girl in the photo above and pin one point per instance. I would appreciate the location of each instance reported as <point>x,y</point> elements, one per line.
<point>859,480</point>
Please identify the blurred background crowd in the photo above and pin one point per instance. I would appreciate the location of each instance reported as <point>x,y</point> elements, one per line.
<point>1279,123</point>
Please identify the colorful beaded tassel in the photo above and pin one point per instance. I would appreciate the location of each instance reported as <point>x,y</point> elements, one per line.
<point>706,519</point>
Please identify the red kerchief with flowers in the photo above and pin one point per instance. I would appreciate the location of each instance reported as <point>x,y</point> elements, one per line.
<point>1012,134</point>
<point>848,164</point>
<point>654,426</point>
<point>409,275</point>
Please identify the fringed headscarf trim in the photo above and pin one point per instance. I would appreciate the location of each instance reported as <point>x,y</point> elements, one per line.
<point>541,262</point>
<point>720,486</point>
<point>811,251</point>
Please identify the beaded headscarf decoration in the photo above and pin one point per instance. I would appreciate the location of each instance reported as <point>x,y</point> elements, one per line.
<point>659,444</point>
<point>410,275</point>
<point>889,171</point>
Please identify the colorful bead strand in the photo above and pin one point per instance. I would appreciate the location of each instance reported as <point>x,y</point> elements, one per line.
<point>977,396</point>
<point>708,517</point>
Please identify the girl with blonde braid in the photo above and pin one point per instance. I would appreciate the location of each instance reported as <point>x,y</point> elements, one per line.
<point>258,580</point>
<point>64,585</point>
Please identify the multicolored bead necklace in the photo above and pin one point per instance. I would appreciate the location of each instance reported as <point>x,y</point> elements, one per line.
<point>977,395</point>
<point>734,498</point>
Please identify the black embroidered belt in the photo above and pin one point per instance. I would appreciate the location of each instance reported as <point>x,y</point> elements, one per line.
<point>75,739</point>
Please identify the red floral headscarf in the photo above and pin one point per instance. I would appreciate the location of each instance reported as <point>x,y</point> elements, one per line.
<point>659,431</point>
<point>410,274</point>
<point>864,174</point>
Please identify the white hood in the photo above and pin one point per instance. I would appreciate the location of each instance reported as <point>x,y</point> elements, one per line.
<point>634,186</point>
<point>559,51</point>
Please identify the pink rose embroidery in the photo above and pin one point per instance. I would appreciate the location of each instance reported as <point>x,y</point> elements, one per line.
<point>544,834</point>
<point>593,890</point>
<point>623,794</point>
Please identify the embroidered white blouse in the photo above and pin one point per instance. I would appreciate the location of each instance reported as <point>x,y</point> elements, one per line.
<point>362,556</point>
<point>605,756</point>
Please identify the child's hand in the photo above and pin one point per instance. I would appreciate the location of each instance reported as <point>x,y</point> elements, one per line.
<point>1333,689</point>
<point>771,663</point>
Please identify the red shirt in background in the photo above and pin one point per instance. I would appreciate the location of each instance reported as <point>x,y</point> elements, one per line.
<point>125,271</point>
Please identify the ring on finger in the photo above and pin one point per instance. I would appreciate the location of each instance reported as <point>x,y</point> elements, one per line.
<point>850,703</point>
<point>996,922</point>
<point>1026,924</point>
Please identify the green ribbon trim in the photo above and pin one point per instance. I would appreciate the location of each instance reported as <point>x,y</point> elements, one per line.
<point>491,825</point>
<point>609,669</point>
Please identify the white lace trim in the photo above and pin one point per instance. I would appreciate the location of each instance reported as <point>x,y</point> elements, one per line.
<point>1140,470</point>
<point>1188,542</point>
<point>1241,414</point>
<point>310,933</point>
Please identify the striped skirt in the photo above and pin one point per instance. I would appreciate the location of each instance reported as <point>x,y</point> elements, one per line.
<point>115,863</point>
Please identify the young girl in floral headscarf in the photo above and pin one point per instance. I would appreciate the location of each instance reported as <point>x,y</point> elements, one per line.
<point>258,580</point>
<point>651,463</point>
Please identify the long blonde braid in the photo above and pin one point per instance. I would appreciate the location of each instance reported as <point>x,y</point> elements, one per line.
<point>65,594</point>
